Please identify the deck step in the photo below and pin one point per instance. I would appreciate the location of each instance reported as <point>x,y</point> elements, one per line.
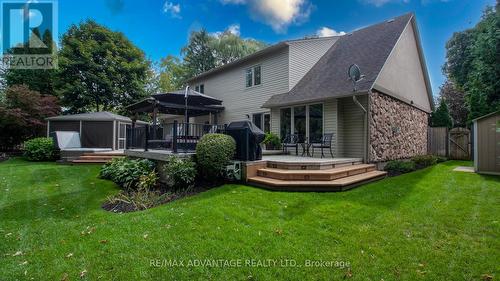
<point>104,154</point>
<point>316,175</point>
<point>312,165</point>
<point>319,185</point>
<point>98,157</point>
<point>80,161</point>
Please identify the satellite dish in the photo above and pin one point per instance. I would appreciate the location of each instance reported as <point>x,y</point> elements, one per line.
<point>354,74</point>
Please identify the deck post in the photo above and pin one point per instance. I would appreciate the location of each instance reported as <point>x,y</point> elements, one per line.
<point>174,137</point>
<point>146,138</point>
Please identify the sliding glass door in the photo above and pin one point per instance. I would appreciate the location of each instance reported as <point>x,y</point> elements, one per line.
<point>304,120</point>
<point>285,121</point>
<point>315,122</point>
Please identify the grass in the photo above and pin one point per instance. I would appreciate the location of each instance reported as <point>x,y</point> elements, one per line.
<point>433,224</point>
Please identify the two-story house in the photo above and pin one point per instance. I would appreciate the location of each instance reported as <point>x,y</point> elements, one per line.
<point>302,87</point>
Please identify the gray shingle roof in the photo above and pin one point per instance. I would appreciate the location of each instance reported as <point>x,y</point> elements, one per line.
<point>91,116</point>
<point>369,48</point>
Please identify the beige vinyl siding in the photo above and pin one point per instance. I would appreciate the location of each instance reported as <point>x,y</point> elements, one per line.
<point>403,74</point>
<point>275,121</point>
<point>350,127</point>
<point>304,54</point>
<point>238,100</point>
<point>330,124</point>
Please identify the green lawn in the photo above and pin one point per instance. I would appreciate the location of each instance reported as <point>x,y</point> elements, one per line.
<point>433,224</point>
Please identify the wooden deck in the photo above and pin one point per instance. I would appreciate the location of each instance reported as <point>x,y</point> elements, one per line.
<point>294,173</point>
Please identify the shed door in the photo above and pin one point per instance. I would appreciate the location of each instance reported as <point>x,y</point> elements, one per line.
<point>122,134</point>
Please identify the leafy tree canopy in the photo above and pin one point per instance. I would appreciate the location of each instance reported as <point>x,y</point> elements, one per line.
<point>203,52</point>
<point>455,100</point>
<point>40,80</point>
<point>441,116</point>
<point>99,69</point>
<point>473,64</point>
<point>22,115</point>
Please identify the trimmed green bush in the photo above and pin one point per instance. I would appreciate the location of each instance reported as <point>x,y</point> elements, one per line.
<point>441,159</point>
<point>127,172</point>
<point>396,167</point>
<point>39,149</point>
<point>213,153</point>
<point>180,173</point>
<point>423,161</point>
<point>272,141</point>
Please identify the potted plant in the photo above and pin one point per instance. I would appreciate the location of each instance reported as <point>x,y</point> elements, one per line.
<point>272,141</point>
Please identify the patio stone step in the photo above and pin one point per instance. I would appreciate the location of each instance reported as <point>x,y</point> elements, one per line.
<point>319,185</point>
<point>316,175</point>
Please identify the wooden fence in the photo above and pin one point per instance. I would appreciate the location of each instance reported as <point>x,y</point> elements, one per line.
<point>437,141</point>
<point>454,143</point>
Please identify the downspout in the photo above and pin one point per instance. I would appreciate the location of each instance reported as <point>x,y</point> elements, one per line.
<point>365,143</point>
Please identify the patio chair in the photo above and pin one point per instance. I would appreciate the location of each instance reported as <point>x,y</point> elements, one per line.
<point>291,140</point>
<point>326,142</point>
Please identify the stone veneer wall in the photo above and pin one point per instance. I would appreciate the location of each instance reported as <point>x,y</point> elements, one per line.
<point>397,129</point>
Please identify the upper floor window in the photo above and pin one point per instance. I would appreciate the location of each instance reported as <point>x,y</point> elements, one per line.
<point>200,88</point>
<point>253,76</point>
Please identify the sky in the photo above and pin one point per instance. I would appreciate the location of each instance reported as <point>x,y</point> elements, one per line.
<point>161,28</point>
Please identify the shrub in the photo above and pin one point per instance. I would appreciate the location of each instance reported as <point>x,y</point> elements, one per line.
<point>148,181</point>
<point>136,200</point>
<point>127,172</point>
<point>39,149</point>
<point>423,161</point>
<point>441,159</point>
<point>397,167</point>
<point>180,173</point>
<point>272,141</point>
<point>213,153</point>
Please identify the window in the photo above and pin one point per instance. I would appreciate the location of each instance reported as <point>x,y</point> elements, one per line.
<point>315,122</point>
<point>285,121</point>
<point>200,88</point>
<point>299,120</point>
<point>267,123</point>
<point>256,75</point>
<point>253,76</point>
<point>249,77</point>
<point>257,120</point>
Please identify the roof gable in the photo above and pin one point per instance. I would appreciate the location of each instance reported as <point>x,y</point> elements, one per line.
<point>369,48</point>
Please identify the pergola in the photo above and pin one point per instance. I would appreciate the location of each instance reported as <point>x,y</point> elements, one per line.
<point>188,103</point>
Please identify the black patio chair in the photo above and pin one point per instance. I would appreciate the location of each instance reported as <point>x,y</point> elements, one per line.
<point>326,142</point>
<point>291,140</point>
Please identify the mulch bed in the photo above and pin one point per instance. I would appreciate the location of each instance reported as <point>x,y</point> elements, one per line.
<point>124,207</point>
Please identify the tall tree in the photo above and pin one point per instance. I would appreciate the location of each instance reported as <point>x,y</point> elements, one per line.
<point>198,53</point>
<point>473,63</point>
<point>455,100</point>
<point>229,47</point>
<point>441,116</point>
<point>172,74</point>
<point>40,80</point>
<point>99,69</point>
<point>22,115</point>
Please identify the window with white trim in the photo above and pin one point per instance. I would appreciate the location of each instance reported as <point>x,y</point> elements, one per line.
<point>253,76</point>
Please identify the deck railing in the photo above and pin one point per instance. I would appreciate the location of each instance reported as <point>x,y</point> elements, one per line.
<point>176,136</point>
